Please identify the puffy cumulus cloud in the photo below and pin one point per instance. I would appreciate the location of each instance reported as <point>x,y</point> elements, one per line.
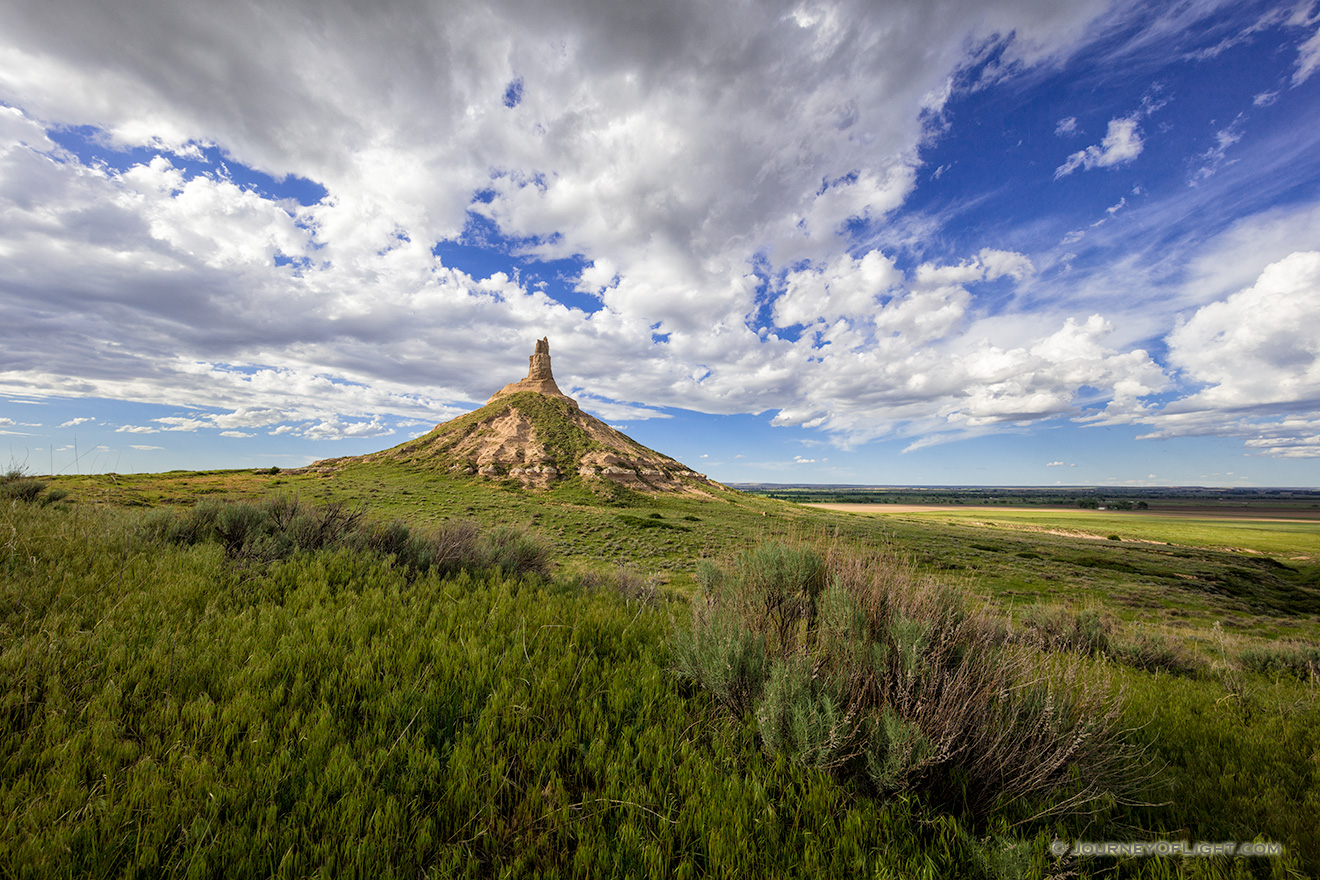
<point>209,220</point>
<point>1122,143</point>
<point>988,265</point>
<point>1046,380</point>
<point>960,381</point>
<point>1252,364</point>
<point>335,428</point>
<point>845,287</point>
<point>1258,347</point>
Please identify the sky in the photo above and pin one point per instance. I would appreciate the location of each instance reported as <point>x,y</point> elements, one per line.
<point>891,242</point>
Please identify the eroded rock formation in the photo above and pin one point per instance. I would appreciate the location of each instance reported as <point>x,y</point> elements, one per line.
<point>539,377</point>
<point>540,439</point>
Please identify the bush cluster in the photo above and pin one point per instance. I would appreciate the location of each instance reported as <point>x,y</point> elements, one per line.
<point>1298,659</point>
<point>1055,629</point>
<point>858,666</point>
<point>17,485</point>
<point>1153,652</point>
<point>277,528</point>
<point>1089,633</point>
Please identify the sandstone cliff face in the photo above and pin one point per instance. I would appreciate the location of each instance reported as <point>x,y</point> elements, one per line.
<point>532,432</point>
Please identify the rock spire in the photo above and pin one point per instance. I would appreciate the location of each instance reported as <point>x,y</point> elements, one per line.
<point>539,377</point>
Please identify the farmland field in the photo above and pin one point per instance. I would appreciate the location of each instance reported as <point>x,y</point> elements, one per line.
<point>1287,532</point>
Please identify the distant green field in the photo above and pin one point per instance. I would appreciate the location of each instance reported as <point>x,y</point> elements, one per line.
<point>1274,537</point>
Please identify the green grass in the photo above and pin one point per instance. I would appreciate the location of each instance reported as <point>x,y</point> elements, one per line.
<point>168,710</point>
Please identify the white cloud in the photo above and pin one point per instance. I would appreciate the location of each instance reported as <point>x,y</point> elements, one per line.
<point>846,287</point>
<point>335,428</point>
<point>1308,59</point>
<point>78,421</point>
<point>1122,143</point>
<point>1066,126</point>
<point>611,411</point>
<point>236,434</point>
<point>143,448</point>
<point>1214,157</point>
<point>1258,346</point>
<point>1251,365</point>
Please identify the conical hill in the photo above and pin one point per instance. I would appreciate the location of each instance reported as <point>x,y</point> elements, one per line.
<point>531,432</point>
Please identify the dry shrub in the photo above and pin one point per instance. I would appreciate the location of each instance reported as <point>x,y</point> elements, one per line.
<point>17,485</point>
<point>1056,629</point>
<point>1153,652</point>
<point>858,665</point>
<point>626,581</point>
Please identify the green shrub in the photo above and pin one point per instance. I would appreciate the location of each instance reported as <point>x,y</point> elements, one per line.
<point>777,586</point>
<point>802,716</point>
<point>723,655</point>
<point>892,680</point>
<point>514,551</point>
<point>55,495</point>
<point>278,528</point>
<point>1154,652</point>
<point>1298,659</point>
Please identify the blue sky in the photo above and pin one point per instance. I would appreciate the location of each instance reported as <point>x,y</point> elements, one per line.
<point>1022,242</point>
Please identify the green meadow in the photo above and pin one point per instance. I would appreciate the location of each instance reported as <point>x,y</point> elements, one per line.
<point>387,671</point>
<point>1294,540</point>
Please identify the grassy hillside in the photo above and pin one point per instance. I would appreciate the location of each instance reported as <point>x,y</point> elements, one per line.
<point>174,707</point>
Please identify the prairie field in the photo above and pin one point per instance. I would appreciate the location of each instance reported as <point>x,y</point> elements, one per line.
<point>1287,532</point>
<point>385,671</point>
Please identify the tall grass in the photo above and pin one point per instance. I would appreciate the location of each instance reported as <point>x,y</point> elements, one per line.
<point>169,710</point>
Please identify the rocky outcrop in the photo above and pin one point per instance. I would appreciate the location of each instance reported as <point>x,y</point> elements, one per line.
<point>540,378</point>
